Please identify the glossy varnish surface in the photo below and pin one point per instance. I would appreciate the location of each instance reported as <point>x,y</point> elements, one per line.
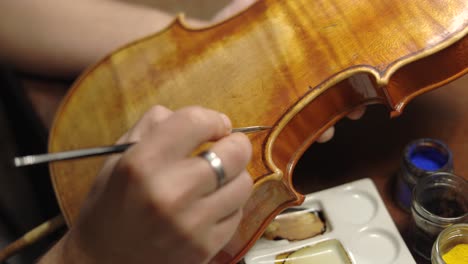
<point>297,65</point>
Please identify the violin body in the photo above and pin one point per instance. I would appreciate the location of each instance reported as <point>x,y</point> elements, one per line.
<point>296,65</point>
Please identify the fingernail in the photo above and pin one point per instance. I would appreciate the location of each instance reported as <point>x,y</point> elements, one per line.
<point>227,121</point>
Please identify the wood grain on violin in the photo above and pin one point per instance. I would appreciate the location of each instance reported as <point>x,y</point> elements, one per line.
<point>297,65</point>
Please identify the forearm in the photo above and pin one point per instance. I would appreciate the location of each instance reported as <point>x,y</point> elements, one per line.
<point>60,38</point>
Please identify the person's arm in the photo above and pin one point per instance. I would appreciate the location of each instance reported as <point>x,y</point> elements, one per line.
<point>59,38</point>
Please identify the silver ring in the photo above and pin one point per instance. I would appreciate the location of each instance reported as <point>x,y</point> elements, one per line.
<point>216,164</point>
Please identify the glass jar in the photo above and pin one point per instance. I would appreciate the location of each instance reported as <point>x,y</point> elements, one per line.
<point>447,240</point>
<point>439,201</point>
<point>421,157</point>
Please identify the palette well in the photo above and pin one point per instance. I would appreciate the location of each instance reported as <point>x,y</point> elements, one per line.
<point>359,231</point>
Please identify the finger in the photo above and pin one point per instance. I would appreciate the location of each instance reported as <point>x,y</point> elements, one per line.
<point>227,199</point>
<point>148,122</point>
<point>144,126</point>
<point>235,152</point>
<point>356,114</point>
<point>185,130</point>
<point>215,208</point>
<point>222,232</point>
<point>196,178</point>
<point>172,140</point>
<point>327,135</point>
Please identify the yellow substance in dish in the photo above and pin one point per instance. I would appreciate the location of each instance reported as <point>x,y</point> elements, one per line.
<point>457,255</point>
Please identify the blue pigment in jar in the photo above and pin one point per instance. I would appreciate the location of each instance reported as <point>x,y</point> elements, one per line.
<point>421,157</point>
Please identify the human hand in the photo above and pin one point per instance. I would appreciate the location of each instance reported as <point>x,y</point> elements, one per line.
<point>156,202</point>
<point>328,134</point>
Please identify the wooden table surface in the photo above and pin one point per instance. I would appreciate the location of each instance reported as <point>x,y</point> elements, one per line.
<point>372,146</point>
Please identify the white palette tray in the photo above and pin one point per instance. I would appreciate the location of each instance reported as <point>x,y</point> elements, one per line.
<point>357,217</point>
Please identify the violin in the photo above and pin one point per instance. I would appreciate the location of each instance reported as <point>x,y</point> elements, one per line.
<point>296,65</point>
